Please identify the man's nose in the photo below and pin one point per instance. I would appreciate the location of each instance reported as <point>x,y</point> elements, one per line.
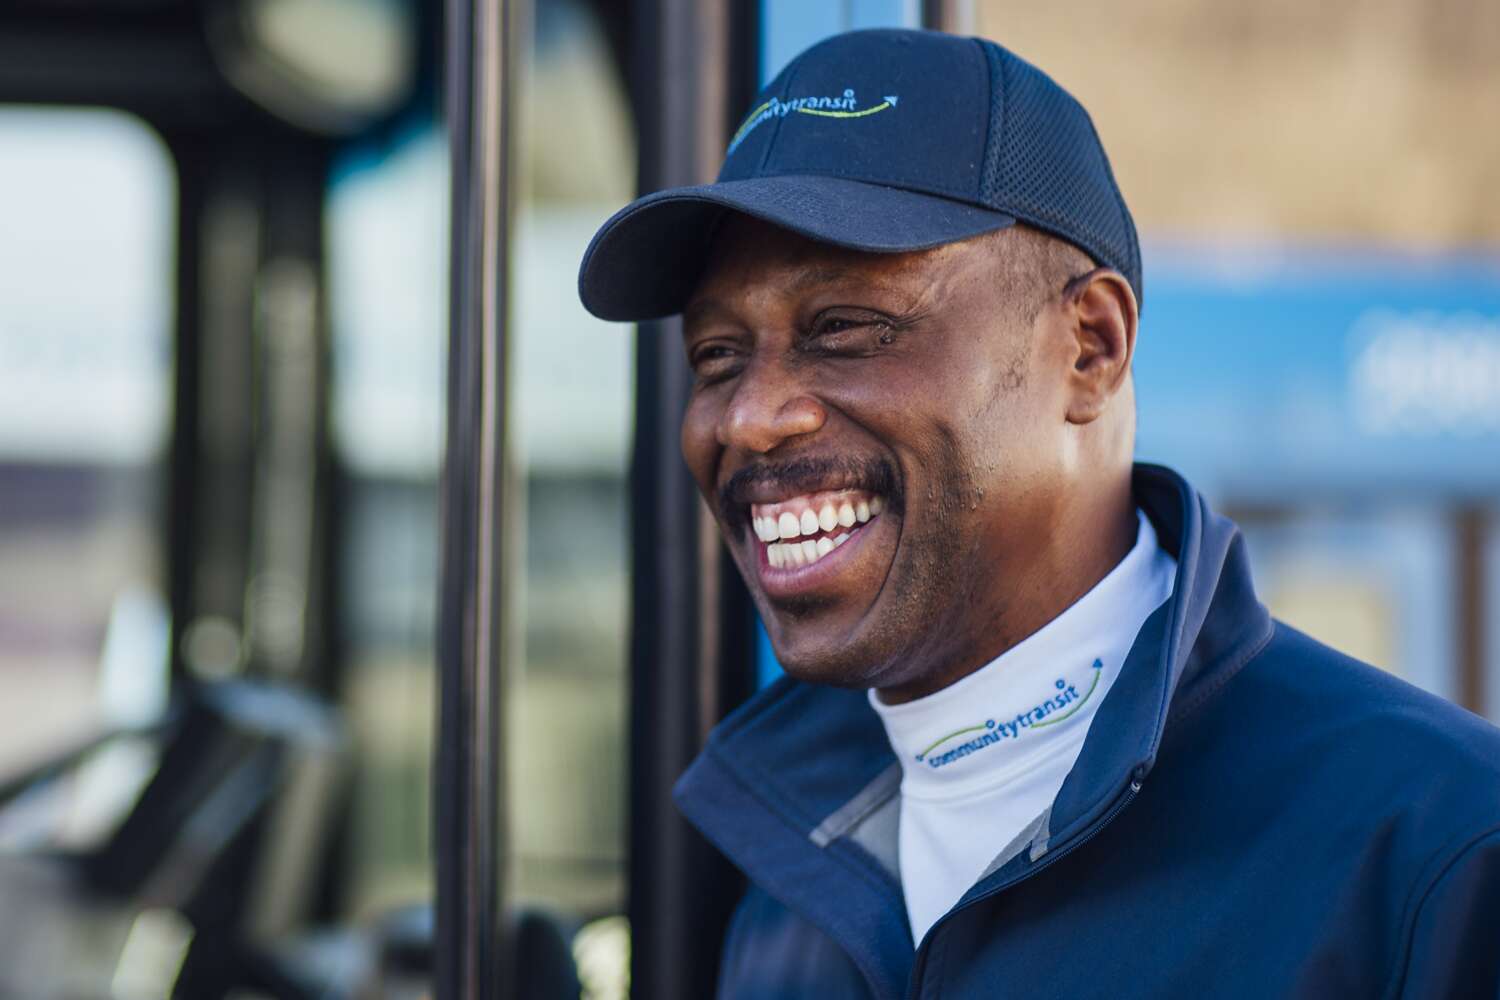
<point>769,407</point>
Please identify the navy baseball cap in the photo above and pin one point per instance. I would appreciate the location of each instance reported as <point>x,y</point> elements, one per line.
<point>885,141</point>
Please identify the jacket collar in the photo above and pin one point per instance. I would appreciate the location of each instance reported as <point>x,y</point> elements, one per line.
<point>786,777</point>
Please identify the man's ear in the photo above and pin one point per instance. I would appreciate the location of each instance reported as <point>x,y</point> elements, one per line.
<point>1103,313</point>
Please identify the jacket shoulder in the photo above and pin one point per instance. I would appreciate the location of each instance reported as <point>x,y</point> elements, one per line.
<point>1380,799</point>
<point>1382,713</point>
<point>1378,746</point>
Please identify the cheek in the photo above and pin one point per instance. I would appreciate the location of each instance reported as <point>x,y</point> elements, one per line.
<point>975,465</point>
<point>698,439</point>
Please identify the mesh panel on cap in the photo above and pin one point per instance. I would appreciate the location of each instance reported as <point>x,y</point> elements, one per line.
<point>1044,164</point>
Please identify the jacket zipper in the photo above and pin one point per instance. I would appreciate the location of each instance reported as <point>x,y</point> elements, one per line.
<point>919,968</point>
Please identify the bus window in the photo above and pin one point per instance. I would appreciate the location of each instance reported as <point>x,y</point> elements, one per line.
<point>1350,394</point>
<point>572,405</point>
<point>1376,582</point>
<point>570,409</point>
<point>387,251</point>
<point>1490,612</point>
<point>86,284</point>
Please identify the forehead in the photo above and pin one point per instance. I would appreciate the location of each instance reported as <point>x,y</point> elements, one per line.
<point>750,257</point>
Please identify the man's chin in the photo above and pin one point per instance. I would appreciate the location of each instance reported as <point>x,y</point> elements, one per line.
<point>837,675</point>
<point>842,665</point>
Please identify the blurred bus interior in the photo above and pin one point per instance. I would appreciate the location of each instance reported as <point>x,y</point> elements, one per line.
<point>224,280</point>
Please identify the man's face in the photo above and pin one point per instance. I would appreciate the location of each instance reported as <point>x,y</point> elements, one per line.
<point>881,438</point>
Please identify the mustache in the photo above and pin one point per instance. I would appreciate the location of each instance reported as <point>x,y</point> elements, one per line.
<point>810,475</point>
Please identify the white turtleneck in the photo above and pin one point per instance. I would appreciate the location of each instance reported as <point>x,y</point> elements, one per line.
<point>983,757</point>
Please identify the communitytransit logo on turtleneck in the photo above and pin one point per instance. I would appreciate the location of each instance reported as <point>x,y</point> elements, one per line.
<point>1048,712</point>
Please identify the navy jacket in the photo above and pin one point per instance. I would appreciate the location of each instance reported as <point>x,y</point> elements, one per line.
<point>1252,815</point>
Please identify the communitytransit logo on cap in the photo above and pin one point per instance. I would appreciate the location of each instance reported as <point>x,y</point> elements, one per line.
<point>824,107</point>
<point>957,137</point>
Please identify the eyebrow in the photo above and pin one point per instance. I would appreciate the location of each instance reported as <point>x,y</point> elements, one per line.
<point>825,274</point>
<point>703,310</point>
<point>809,277</point>
<point>804,279</point>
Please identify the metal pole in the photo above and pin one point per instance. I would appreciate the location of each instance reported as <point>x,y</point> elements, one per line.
<point>954,16</point>
<point>1471,525</point>
<point>469,953</point>
<point>691,644</point>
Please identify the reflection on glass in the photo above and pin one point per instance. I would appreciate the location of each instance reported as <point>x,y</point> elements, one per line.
<point>387,240</point>
<point>572,391</point>
<point>570,400</point>
<point>86,268</point>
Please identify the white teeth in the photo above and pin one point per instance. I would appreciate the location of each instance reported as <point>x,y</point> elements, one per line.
<point>828,519</point>
<point>778,530</point>
<point>787,555</point>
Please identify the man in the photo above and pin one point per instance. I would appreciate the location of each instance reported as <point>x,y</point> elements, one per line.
<point>1038,738</point>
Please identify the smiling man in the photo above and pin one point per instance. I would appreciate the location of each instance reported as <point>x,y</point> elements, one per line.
<point>1037,734</point>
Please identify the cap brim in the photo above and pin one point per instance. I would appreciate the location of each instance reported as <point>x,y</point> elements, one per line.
<point>646,260</point>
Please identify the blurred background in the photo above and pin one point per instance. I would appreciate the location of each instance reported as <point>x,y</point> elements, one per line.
<point>224,296</point>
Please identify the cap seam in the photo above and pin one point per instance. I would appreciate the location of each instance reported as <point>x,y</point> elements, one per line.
<point>1133,248</point>
<point>981,72</point>
<point>886,181</point>
<point>1055,224</point>
<point>989,125</point>
<point>699,192</point>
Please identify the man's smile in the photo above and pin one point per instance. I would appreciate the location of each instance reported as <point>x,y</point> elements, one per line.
<point>815,544</point>
<point>800,542</point>
<point>805,525</point>
<point>804,529</point>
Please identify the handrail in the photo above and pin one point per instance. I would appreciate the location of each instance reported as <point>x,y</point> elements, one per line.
<point>468,764</point>
<point>16,783</point>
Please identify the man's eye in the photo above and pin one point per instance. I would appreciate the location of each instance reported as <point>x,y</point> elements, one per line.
<point>714,361</point>
<point>850,333</point>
